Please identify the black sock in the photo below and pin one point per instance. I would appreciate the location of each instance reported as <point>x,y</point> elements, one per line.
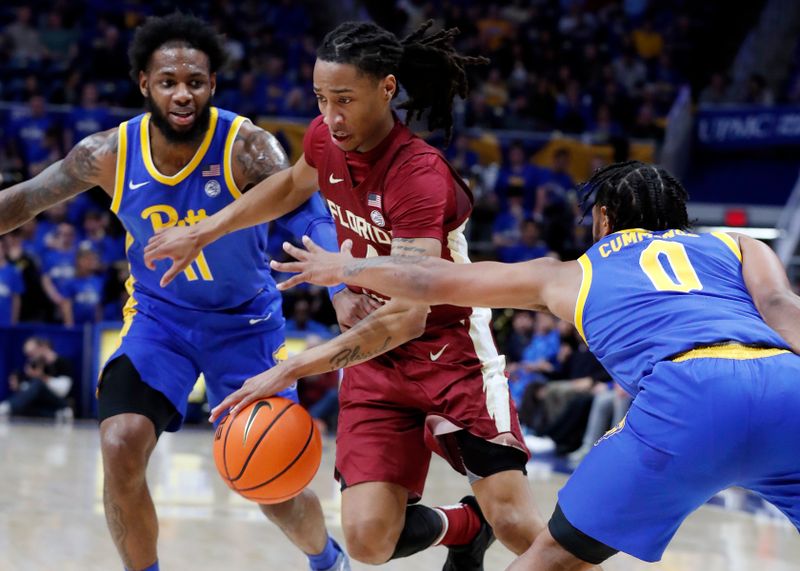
<point>423,527</point>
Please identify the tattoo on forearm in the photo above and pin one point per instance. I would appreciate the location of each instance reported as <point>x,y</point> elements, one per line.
<point>360,264</point>
<point>116,525</point>
<point>260,156</point>
<point>77,172</point>
<point>351,355</point>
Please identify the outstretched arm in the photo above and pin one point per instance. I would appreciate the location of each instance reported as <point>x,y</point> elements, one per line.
<point>91,162</point>
<point>271,190</point>
<point>543,284</point>
<point>769,287</point>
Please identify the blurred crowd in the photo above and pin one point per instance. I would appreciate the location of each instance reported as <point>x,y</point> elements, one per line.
<point>604,71</point>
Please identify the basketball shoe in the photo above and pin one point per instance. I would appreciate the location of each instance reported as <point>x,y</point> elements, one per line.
<point>469,557</point>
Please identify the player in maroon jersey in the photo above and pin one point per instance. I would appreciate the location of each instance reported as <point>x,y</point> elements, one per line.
<point>418,378</point>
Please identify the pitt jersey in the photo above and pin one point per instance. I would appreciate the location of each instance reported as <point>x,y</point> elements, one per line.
<point>649,296</point>
<point>227,273</point>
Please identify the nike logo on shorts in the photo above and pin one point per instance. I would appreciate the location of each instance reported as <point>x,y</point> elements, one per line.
<point>259,320</point>
<point>435,356</point>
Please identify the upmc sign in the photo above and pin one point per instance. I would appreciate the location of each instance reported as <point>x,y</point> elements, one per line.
<point>748,127</point>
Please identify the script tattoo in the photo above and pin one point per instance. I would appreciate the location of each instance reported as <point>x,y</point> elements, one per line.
<point>403,247</point>
<point>351,355</point>
<point>259,156</point>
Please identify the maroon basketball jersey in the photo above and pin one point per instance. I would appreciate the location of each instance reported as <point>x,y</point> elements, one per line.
<point>408,191</point>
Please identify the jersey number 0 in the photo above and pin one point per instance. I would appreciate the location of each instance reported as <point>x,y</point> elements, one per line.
<point>660,254</point>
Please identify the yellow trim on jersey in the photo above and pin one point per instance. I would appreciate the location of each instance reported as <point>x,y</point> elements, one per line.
<point>729,242</point>
<point>144,135</point>
<point>583,293</point>
<point>122,159</point>
<point>735,351</point>
<point>227,157</point>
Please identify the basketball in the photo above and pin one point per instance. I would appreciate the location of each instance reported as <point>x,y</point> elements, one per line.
<point>268,452</point>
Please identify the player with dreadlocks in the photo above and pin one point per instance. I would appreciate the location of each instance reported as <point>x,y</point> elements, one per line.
<point>416,378</point>
<point>703,330</point>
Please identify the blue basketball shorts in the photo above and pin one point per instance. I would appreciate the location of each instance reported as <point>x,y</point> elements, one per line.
<point>695,428</point>
<point>170,347</point>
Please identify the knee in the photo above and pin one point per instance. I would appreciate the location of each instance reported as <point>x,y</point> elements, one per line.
<point>370,540</point>
<point>126,444</point>
<point>513,525</point>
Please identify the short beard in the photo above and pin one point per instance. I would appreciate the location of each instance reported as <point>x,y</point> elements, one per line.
<point>194,133</point>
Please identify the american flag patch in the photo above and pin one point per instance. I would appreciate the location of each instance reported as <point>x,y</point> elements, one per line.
<point>211,170</point>
<point>374,200</point>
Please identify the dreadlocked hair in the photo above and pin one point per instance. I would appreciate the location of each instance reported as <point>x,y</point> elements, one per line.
<point>637,195</point>
<point>428,67</point>
<point>177,28</point>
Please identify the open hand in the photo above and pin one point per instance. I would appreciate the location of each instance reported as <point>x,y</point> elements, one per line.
<point>352,307</point>
<point>314,265</point>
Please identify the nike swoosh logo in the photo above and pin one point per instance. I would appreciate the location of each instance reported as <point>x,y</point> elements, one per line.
<point>254,321</point>
<point>334,180</point>
<point>133,186</point>
<point>251,419</point>
<point>435,356</point>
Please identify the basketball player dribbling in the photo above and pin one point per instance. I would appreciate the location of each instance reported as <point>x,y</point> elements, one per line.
<point>703,330</point>
<point>416,378</point>
<point>174,165</point>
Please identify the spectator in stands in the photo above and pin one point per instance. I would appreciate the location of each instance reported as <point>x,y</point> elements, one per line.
<point>96,237</point>
<point>507,227</point>
<point>518,172</point>
<point>649,43</point>
<point>29,135</point>
<point>58,267</point>
<point>60,44</point>
<point>11,289</point>
<point>539,358</point>
<point>717,91</point>
<point>461,156</point>
<point>646,126</point>
<point>629,71</point>
<point>35,305</point>
<point>758,92</point>
<point>42,388</point>
<point>26,45</point>
<point>84,292</point>
<point>529,247</point>
<point>522,323</point>
<point>608,409</point>
<point>87,118</point>
<point>573,109</point>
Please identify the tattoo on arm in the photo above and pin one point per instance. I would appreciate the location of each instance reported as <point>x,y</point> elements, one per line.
<point>259,156</point>
<point>77,172</point>
<point>360,264</point>
<point>406,247</point>
<point>350,355</point>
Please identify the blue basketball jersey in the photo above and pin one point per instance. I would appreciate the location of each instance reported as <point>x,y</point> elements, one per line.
<point>648,296</point>
<point>227,273</point>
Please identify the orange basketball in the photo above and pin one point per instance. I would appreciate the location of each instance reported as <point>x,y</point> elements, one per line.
<point>269,452</point>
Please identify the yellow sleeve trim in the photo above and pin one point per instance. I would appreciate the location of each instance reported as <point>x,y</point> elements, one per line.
<point>583,293</point>
<point>730,242</point>
<point>144,134</point>
<point>122,159</point>
<point>228,157</point>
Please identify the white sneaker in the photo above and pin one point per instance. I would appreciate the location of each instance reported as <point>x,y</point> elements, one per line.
<point>539,444</point>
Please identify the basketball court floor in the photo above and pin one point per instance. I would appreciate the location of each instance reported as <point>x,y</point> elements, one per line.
<point>51,513</point>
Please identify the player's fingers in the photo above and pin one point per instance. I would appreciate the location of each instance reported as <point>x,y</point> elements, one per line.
<point>293,281</point>
<point>243,403</point>
<point>347,247</point>
<point>311,246</point>
<point>288,267</point>
<point>170,274</point>
<point>371,303</point>
<point>294,251</point>
<point>226,403</point>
